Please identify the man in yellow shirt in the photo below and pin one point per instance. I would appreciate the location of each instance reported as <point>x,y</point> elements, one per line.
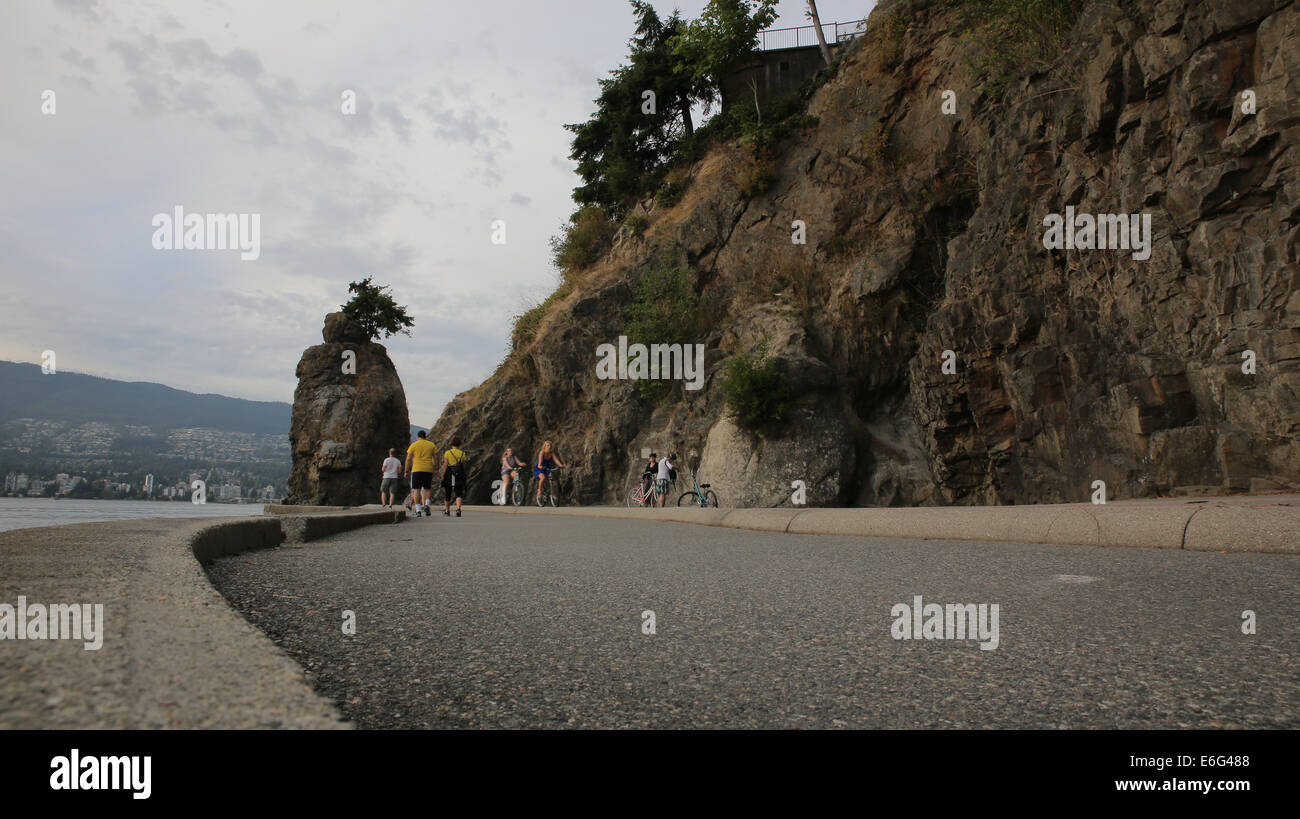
<point>419,468</point>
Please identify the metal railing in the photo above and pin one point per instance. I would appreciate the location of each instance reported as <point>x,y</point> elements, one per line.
<point>800,36</point>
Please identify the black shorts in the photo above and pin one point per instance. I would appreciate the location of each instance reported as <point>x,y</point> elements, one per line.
<point>453,490</point>
<point>421,480</point>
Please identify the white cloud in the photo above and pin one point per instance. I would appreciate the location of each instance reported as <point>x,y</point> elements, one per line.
<point>235,107</point>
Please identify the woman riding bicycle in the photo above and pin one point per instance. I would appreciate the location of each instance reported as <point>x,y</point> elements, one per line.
<point>510,466</point>
<point>547,462</point>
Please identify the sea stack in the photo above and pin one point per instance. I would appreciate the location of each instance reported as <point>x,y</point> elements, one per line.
<point>348,410</point>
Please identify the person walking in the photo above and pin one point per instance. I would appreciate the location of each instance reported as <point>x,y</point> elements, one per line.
<point>392,476</point>
<point>419,468</point>
<point>453,477</point>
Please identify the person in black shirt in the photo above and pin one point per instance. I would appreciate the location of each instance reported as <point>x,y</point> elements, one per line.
<point>648,475</point>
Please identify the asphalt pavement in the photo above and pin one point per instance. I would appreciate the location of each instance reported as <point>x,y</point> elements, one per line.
<point>536,621</point>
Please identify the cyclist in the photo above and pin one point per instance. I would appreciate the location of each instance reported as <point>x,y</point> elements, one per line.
<point>510,466</point>
<point>546,463</point>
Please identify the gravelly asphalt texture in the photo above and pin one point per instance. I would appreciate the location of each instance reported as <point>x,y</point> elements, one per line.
<point>517,621</point>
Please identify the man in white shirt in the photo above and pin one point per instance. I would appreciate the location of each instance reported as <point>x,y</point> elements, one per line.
<point>392,478</point>
<point>665,476</point>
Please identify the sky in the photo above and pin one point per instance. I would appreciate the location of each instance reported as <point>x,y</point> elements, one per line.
<point>237,107</point>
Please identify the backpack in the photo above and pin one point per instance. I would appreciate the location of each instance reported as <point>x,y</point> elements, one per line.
<point>457,469</point>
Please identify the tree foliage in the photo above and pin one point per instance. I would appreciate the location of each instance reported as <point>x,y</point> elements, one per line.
<point>620,149</point>
<point>374,308</point>
<point>720,39</point>
<point>626,146</point>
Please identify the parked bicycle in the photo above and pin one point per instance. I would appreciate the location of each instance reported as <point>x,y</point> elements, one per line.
<point>698,495</point>
<point>640,496</point>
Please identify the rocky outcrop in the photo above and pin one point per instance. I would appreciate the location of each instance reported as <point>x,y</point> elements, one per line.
<point>348,410</point>
<point>925,244</point>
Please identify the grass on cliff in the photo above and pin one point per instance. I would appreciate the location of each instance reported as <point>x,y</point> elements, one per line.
<point>666,310</point>
<point>1014,38</point>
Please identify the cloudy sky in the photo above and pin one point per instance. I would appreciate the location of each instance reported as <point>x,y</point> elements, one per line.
<point>235,107</point>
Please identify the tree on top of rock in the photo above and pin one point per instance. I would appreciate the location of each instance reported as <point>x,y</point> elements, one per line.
<point>372,307</point>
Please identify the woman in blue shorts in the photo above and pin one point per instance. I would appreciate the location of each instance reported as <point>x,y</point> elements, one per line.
<point>547,462</point>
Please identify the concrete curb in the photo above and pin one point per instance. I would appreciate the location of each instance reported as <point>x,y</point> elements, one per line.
<point>1238,524</point>
<point>175,653</point>
<point>302,528</point>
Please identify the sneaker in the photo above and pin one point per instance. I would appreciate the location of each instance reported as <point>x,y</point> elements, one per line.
<point>457,513</point>
<point>446,514</point>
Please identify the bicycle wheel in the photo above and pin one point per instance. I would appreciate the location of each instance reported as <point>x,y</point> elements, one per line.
<point>517,492</point>
<point>693,498</point>
<point>711,499</point>
<point>635,498</point>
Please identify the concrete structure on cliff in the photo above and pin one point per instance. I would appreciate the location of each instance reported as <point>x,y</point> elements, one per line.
<point>786,57</point>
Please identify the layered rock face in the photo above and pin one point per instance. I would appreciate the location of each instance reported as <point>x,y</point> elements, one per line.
<point>348,410</point>
<point>1177,372</point>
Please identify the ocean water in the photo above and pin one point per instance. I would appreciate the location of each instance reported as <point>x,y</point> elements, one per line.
<point>23,513</point>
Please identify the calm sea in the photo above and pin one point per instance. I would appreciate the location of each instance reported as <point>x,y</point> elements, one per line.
<point>22,513</point>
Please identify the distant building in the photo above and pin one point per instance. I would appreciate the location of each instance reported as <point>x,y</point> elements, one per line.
<point>11,482</point>
<point>21,483</point>
<point>148,484</point>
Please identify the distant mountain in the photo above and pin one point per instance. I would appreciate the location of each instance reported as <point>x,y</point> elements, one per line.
<point>26,392</point>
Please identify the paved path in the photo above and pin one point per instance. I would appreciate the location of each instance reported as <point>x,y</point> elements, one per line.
<point>531,621</point>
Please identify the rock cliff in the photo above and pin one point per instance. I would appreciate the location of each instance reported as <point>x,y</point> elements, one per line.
<point>348,410</point>
<point>925,234</point>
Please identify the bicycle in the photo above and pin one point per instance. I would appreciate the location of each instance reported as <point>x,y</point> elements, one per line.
<point>555,486</point>
<point>639,495</point>
<point>516,489</point>
<point>699,495</point>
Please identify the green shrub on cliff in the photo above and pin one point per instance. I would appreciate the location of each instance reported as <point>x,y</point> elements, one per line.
<point>757,392</point>
<point>582,240</point>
